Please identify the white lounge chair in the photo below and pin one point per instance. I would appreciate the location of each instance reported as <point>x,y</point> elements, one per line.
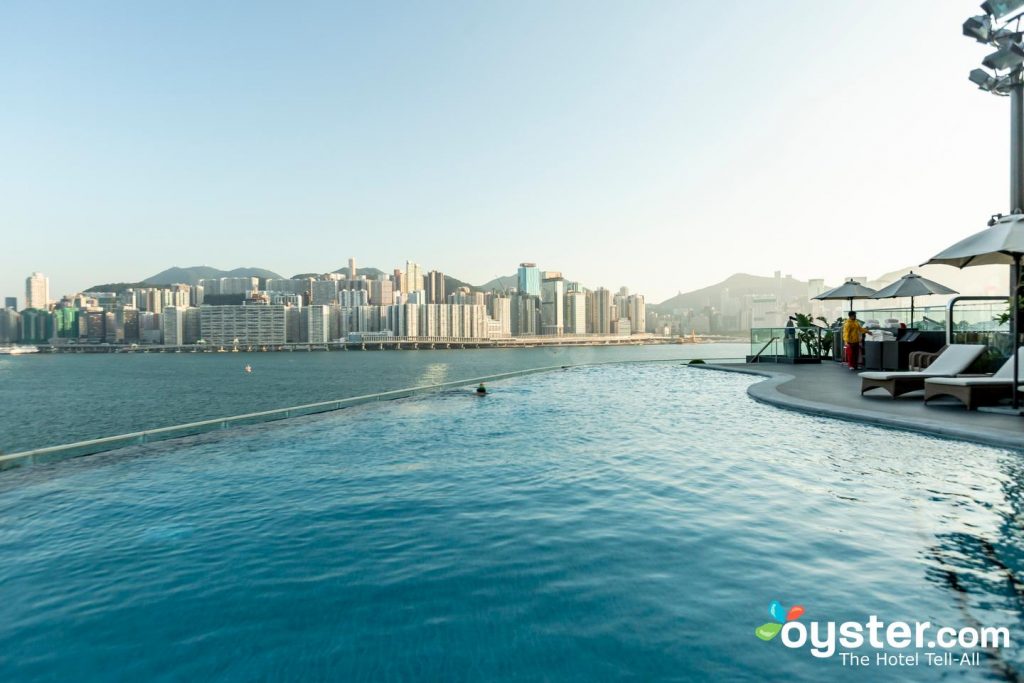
<point>951,362</point>
<point>976,391</point>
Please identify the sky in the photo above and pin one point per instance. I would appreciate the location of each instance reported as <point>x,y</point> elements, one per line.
<point>657,145</point>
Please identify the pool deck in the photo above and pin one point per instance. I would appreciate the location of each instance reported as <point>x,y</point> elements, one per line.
<point>832,390</point>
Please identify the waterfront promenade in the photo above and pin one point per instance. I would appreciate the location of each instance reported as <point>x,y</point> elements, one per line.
<point>831,390</point>
<point>387,344</point>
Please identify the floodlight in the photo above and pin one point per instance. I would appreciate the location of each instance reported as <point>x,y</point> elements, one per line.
<point>1007,57</point>
<point>979,28</point>
<point>983,79</point>
<point>1002,8</point>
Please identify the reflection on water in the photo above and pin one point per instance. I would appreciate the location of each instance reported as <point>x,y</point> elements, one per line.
<point>592,524</point>
<point>434,373</point>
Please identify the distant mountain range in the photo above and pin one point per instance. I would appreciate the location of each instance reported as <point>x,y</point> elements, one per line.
<point>736,285</point>
<point>193,274</point>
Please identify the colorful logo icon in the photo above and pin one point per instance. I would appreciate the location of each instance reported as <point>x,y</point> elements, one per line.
<point>770,629</point>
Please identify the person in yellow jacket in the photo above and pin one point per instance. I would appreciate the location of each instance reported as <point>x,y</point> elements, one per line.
<point>853,336</point>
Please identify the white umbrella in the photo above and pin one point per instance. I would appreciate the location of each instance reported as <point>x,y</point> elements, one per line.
<point>851,289</point>
<point>911,285</point>
<point>1001,243</point>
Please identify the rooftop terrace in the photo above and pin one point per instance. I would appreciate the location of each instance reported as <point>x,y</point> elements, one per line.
<point>831,390</point>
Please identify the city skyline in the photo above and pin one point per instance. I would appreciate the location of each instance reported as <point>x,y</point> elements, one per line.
<point>623,148</point>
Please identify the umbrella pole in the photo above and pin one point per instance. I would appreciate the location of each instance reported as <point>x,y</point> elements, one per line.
<point>1015,326</point>
<point>911,313</point>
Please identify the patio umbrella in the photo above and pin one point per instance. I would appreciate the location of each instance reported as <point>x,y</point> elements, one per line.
<point>851,289</point>
<point>911,285</point>
<point>1001,243</point>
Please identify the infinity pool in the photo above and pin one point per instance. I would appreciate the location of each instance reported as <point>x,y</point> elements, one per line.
<point>621,522</point>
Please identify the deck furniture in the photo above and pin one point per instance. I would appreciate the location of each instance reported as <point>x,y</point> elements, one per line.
<point>975,391</point>
<point>953,361</point>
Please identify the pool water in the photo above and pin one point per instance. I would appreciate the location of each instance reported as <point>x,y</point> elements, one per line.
<point>604,523</point>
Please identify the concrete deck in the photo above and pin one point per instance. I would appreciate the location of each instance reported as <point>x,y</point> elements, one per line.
<point>832,390</point>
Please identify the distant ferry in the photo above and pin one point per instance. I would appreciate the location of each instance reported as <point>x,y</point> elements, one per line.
<point>17,350</point>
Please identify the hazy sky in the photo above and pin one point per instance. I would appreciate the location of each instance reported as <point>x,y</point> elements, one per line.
<point>660,145</point>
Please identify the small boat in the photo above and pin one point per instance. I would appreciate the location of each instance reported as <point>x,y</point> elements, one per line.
<point>248,369</point>
<point>17,350</point>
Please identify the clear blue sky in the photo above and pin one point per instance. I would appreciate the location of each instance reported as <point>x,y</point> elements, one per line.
<point>659,145</point>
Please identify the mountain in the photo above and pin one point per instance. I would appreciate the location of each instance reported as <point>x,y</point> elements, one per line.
<point>193,274</point>
<point>736,285</point>
<point>117,287</point>
<point>503,283</point>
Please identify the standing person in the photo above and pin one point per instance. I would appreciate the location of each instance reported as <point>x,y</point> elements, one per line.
<point>853,336</point>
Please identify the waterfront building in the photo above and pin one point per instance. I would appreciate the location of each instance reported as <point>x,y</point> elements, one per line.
<point>127,324</point>
<point>174,325</point>
<point>435,287</point>
<point>525,309</point>
<point>501,313</point>
<point>37,291</point>
<point>10,321</point>
<point>552,306</point>
<point>529,279</point>
<point>11,302</point>
<point>636,311</point>
<point>192,325</point>
<point>295,324</point>
<point>622,327</point>
<point>95,325</point>
<point>65,322</point>
<point>318,324</point>
<point>258,324</point>
<point>575,312</point>
<point>600,313</point>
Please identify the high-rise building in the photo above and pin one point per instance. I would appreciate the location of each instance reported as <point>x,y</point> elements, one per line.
<point>435,287</point>
<point>529,279</point>
<point>318,324</point>
<point>636,311</point>
<point>599,314</point>
<point>413,278</point>
<point>323,292</point>
<point>10,320</point>
<point>11,302</point>
<point>382,292</point>
<point>575,312</point>
<point>501,313</point>
<point>552,309</point>
<point>352,268</point>
<point>253,324</point>
<point>174,325</point>
<point>37,291</point>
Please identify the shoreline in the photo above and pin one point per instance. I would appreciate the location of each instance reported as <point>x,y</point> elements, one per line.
<point>394,344</point>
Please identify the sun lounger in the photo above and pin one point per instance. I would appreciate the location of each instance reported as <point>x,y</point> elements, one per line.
<point>951,362</point>
<point>975,391</point>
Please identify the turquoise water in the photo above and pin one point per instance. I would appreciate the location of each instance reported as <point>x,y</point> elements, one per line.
<point>623,522</point>
<point>48,400</point>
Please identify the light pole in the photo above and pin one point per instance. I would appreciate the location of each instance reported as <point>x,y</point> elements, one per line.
<point>1007,63</point>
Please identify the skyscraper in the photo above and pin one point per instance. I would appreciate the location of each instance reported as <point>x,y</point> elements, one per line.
<point>435,287</point>
<point>37,291</point>
<point>352,268</point>
<point>529,279</point>
<point>11,302</point>
<point>552,311</point>
<point>413,277</point>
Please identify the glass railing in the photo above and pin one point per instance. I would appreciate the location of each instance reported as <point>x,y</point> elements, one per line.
<point>794,344</point>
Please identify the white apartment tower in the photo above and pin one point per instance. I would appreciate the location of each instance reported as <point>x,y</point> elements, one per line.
<point>37,291</point>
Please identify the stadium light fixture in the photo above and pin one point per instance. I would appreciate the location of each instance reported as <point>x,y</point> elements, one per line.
<point>1005,58</point>
<point>979,28</point>
<point>1000,9</point>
